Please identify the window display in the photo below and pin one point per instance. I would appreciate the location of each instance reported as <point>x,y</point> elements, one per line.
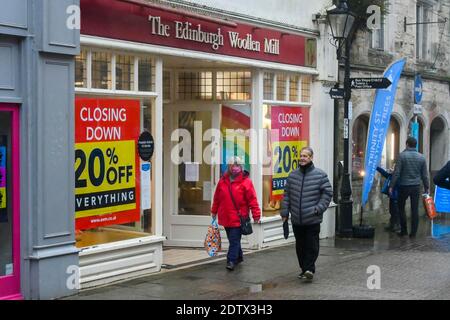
<point>108,178</point>
<point>287,133</point>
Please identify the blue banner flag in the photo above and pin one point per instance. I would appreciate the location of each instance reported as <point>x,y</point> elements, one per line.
<point>379,123</point>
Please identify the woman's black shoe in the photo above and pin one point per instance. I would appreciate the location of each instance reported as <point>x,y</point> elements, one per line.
<point>230,266</point>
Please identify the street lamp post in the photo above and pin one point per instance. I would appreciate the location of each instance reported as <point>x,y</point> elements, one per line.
<point>341,23</point>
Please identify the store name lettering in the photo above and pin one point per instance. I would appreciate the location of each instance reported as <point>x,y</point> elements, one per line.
<point>96,115</point>
<point>186,31</point>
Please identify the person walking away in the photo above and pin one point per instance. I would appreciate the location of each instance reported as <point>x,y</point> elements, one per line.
<point>442,177</point>
<point>307,195</point>
<point>235,189</point>
<point>411,168</point>
<point>394,221</point>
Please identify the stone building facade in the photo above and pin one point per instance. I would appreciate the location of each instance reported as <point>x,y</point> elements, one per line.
<point>426,48</point>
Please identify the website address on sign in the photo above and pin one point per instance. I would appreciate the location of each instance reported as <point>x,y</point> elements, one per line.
<point>103,219</point>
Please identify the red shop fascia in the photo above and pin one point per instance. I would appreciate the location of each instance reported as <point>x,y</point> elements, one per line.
<point>146,23</point>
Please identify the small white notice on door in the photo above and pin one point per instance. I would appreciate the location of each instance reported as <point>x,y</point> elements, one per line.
<point>206,190</point>
<point>146,192</point>
<point>192,173</point>
<point>9,270</point>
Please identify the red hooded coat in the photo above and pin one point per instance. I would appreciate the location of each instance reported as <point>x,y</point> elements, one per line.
<point>244,195</point>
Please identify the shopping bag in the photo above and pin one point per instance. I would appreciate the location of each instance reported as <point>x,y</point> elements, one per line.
<point>213,241</point>
<point>430,208</point>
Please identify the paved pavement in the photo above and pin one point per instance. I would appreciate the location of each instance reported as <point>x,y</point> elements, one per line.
<point>409,269</point>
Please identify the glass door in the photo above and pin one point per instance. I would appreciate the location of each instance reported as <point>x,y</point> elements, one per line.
<point>194,169</point>
<point>9,203</point>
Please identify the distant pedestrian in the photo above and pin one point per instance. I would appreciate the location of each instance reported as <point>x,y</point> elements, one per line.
<point>443,176</point>
<point>411,168</point>
<point>394,221</point>
<point>235,190</point>
<point>307,195</point>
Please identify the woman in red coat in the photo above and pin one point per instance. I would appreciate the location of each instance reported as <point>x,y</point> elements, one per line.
<point>237,181</point>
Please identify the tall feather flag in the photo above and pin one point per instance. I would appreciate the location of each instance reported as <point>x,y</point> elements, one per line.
<point>378,126</point>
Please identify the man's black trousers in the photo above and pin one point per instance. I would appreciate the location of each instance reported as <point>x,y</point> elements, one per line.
<point>413,192</point>
<point>307,246</point>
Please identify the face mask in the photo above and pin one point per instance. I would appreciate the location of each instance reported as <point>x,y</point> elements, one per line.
<point>236,170</point>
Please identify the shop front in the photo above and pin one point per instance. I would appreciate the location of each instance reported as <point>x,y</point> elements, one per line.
<point>205,89</point>
<point>9,202</point>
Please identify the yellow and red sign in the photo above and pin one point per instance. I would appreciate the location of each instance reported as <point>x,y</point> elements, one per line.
<point>107,179</point>
<point>290,133</point>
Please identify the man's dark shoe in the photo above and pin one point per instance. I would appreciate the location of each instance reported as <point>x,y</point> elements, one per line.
<point>301,276</point>
<point>402,234</point>
<point>412,236</point>
<point>396,228</point>
<point>239,260</point>
<point>309,275</point>
<point>230,266</point>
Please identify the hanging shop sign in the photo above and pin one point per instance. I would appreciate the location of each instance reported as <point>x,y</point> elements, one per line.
<point>107,175</point>
<point>289,134</point>
<point>137,22</point>
<point>146,145</point>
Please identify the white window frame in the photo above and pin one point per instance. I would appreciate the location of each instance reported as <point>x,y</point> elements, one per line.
<point>423,36</point>
<point>89,90</point>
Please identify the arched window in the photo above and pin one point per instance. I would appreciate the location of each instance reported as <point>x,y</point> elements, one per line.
<point>420,134</point>
<point>438,146</point>
<point>359,140</point>
<point>391,145</point>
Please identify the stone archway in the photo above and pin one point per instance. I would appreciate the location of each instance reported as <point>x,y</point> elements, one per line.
<point>439,141</point>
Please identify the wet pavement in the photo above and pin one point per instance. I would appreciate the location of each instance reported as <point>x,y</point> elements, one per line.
<point>409,269</point>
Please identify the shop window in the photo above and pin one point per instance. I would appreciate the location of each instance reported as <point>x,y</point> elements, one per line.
<point>101,70</point>
<point>285,134</point>
<point>281,87</point>
<point>166,85</point>
<point>195,85</point>
<point>124,73</point>
<point>233,85</point>
<point>268,86</point>
<point>146,75</point>
<point>132,219</point>
<point>6,211</point>
<point>80,70</point>
<point>359,136</point>
<point>293,88</point>
<point>306,89</point>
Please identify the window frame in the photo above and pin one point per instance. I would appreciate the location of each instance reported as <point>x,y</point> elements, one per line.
<point>113,91</point>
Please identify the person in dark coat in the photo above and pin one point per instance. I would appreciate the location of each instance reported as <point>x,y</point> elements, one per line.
<point>410,170</point>
<point>394,221</point>
<point>235,183</point>
<point>307,195</point>
<point>442,178</point>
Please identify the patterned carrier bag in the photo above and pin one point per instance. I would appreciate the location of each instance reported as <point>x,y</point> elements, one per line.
<point>213,241</point>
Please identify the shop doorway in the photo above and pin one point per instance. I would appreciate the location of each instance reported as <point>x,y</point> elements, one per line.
<point>9,203</point>
<point>191,170</point>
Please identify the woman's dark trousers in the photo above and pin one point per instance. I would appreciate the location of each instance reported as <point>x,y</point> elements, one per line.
<point>307,246</point>
<point>234,250</point>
